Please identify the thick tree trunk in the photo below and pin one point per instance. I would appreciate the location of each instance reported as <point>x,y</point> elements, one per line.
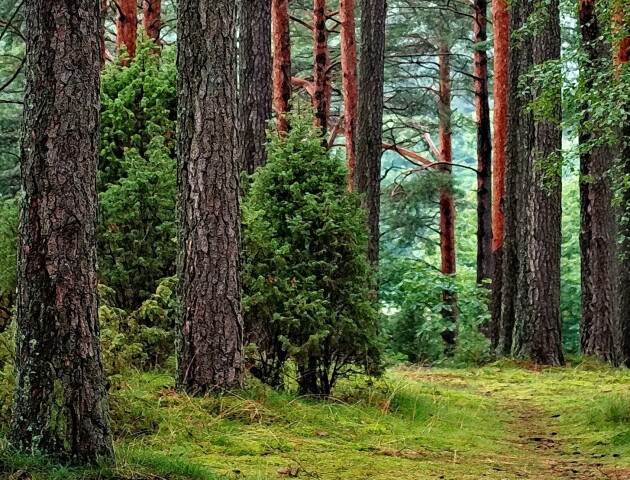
<point>281,62</point>
<point>369,142</point>
<point>349,73</point>
<point>152,19</point>
<point>501,24</point>
<point>447,200</point>
<point>597,231</point>
<point>127,26</point>
<point>485,258</point>
<point>210,328</point>
<point>255,81</point>
<point>532,154</point>
<point>60,404</point>
<point>322,77</point>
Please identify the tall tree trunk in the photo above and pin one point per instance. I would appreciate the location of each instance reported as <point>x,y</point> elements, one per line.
<point>532,153</point>
<point>447,200</point>
<point>598,328</point>
<point>322,77</point>
<point>210,328</point>
<point>60,406</point>
<point>255,81</point>
<point>152,19</point>
<point>127,26</point>
<point>281,62</point>
<point>369,141</point>
<point>349,73</point>
<point>501,24</point>
<point>485,258</point>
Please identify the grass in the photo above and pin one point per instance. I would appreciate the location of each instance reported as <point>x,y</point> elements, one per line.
<point>504,421</point>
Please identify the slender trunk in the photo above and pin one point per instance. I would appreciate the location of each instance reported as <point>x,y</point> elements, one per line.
<point>281,62</point>
<point>322,80</point>
<point>485,258</point>
<point>369,142</point>
<point>349,73</point>
<point>152,19</point>
<point>447,200</point>
<point>210,327</point>
<point>255,81</point>
<point>127,27</point>
<point>533,148</point>
<point>60,406</point>
<point>501,24</point>
<point>598,328</point>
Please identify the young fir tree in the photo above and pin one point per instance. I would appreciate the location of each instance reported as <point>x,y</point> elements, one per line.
<point>307,281</point>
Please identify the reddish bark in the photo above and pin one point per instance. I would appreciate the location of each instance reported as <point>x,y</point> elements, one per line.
<point>447,201</point>
<point>281,61</point>
<point>152,19</point>
<point>501,24</point>
<point>349,74</point>
<point>127,27</point>
<point>323,87</point>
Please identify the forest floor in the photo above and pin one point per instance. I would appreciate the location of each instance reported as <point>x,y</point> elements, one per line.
<point>504,421</point>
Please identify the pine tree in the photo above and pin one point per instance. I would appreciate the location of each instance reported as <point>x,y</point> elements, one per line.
<point>127,26</point>
<point>281,61</point>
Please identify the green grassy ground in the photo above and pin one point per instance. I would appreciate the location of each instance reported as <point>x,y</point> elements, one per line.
<point>504,421</point>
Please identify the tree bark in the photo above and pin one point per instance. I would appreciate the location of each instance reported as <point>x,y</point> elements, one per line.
<point>349,74</point>
<point>60,406</point>
<point>501,24</point>
<point>485,257</point>
<point>447,200</point>
<point>369,142</point>
<point>255,81</point>
<point>210,327</point>
<point>532,154</point>
<point>281,62</point>
<point>127,27</point>
<point>322,77</point>
<point>598,328</point>
<point>152,19</point>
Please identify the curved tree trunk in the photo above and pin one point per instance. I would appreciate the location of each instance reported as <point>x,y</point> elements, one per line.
<point>501,24</point>
<point>485,256</point>
<point>349,73</point>
<point>210,327</point>
<point>532,152</point>
<point>282,89</point>
<point>152,19</point>
<point>127,26</point>
<point>255,81</point>
<point>322,78</point>
<point>60,404</point>
<point>367,178</point>
<point>598,328</point>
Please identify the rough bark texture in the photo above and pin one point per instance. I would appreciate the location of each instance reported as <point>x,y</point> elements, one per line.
<point>152,19</point>
<point>281,61</point>
<point>255,81</point>
<point>367,177</point>
<point>210,328</point>
<point>350,89</point>
<point>60,404</point>
<point>501,25</point>
<point>447,200</point>
<point>322,77</point>
<point>533,223</point>
<point>598,328</point>
<point>127,26</point>
<point>485,258</point>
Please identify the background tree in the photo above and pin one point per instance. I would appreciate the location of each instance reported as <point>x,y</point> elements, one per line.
<point>281,61</point>
<point>152,19</point>
<point>60,404</point>
<point>126,27</point>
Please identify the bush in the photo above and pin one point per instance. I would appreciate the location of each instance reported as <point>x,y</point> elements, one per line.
<point>308,285</point>
<point>8,256</point>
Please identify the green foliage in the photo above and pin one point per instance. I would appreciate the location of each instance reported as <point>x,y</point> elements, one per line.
<point>570,281</point>
<point>137,179</point>
<point>8,249</point>
<point>308,285</point>
<point>141,339</point>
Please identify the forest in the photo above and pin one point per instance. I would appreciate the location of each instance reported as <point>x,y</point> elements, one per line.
<point>317,239</point>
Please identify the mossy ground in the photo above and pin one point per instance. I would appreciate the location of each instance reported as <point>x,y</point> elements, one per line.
<point>504,421</point>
